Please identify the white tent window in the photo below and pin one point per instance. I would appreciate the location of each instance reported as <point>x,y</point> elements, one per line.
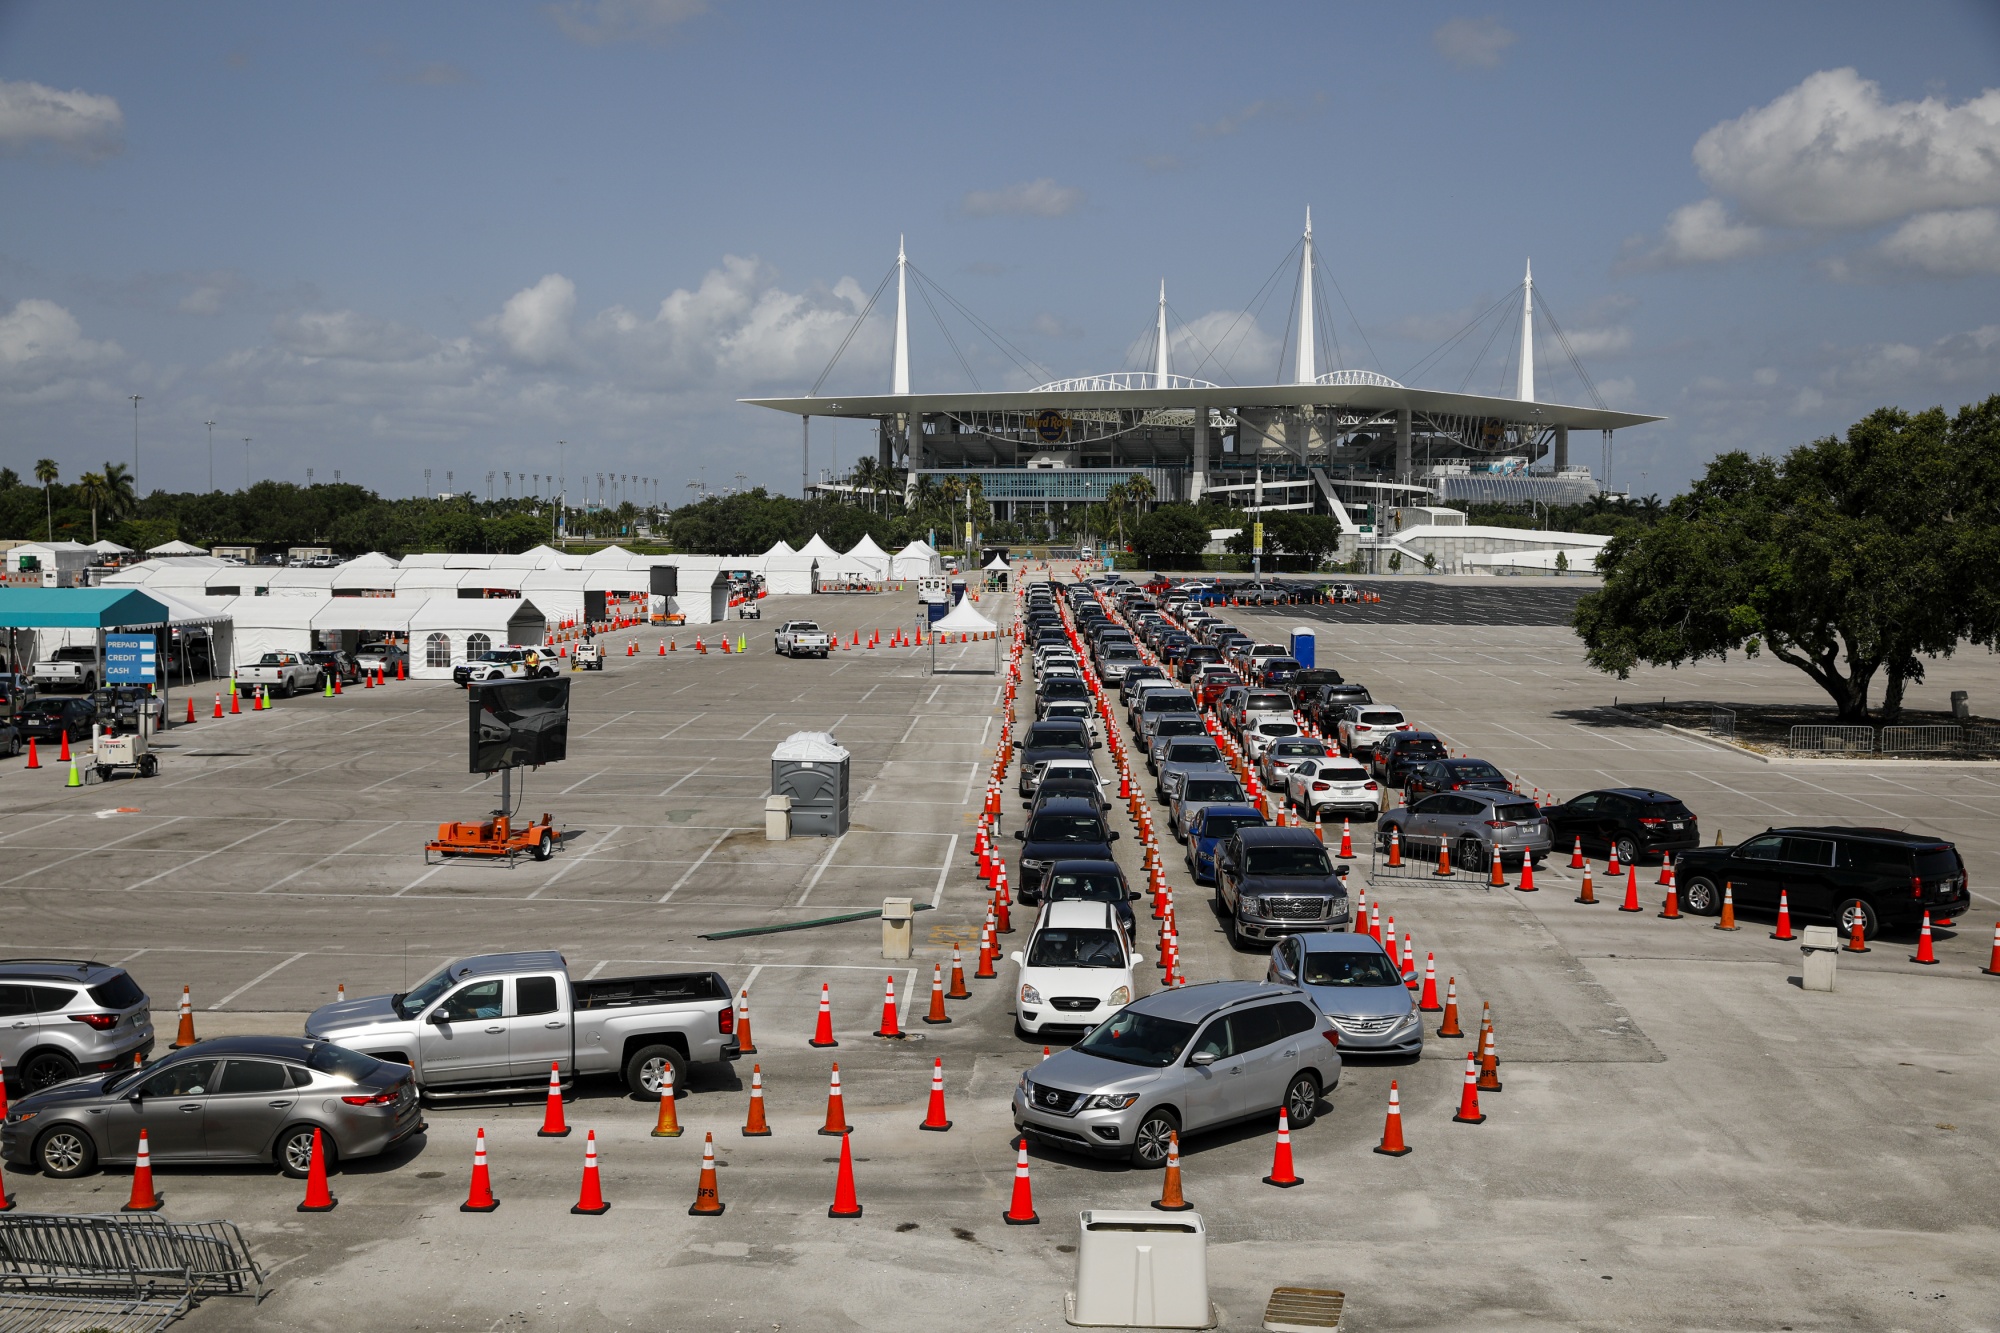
<point>475,644</point>
<point>437,650</point>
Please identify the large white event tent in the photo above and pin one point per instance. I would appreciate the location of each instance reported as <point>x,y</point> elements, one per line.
<point>867,555</point>
<point>915,561</point>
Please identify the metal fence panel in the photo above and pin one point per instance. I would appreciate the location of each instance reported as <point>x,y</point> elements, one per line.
<point>1722,721</point>
<point>117,1272</point>
<point>1832,740</point>
<point>1922,740</point>
<point>1982,738</point>
<point>1420,860</point>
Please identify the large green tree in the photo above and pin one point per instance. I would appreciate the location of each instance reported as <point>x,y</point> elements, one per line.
<point>1171,537</point>
<point>1849,558</point>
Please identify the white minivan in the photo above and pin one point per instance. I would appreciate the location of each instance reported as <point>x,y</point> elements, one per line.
<point>1076,970</point>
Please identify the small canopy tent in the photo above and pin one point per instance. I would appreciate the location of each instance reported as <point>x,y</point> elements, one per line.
<point>109,547</point>
<point>176,547</point>
<point>998,572</point>
<point>788,572</point>
<point>39,620</point>
<point>914,562</point>
<point>964,619</point>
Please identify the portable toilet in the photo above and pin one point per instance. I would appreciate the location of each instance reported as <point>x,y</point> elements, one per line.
<point>1303,646</point>
<point>812,768</point>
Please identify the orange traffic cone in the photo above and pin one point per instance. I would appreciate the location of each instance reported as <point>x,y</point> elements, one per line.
<point>1588,894</point>
<point>143,1199</point>
<point>1496,874</point>
<point>937,1013</point>
<point>1923,954</point>
<point>707,1201</point>
<point>1282,1174</point>
<point>836,1109</point>
<point>552,1117</point>
<point>479,1199</point>
<point>1409,963</point>
<point>34,759</point>
<point>1375,921</point>
<point>185,1037</point>
<point>934,1117</point>
<point>1468,1101</point>
<point>1784,930</point>
<point>889,1026</point>
<point>823,1032</point>
<point>1021,1209</point>
<point>1670,911</point>
<point>669,1124</point>
<point>1631,903</point>
<point>987,952</point>
<point>1346,852</point>
<point>745,1045</point>
<point>845,1204</point>
<point>590,1199</point>
<point>1992,968</point>
<point>6,1204</point>
<point>755,1127</point>
<point>1392,1144</point>
<point>1576,861</point>
<point>319,1199</point>
<point>1527,873</point>
<point>218,705</point>
<point>1611,867</point>
<point>1171,1200</point>
<point>64,756</point>
<point>1395,845</point>
<point>1444,859</point>
<point>1727,921</point>
<point>190,716</point>
<point>958,990</point>
<point>1428,1002</point>
<point>1489,1062</point>
<point>1857,941</point>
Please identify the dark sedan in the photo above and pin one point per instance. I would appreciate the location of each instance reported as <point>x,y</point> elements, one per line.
<point>1637,821</point>
<point>224,1100</point>
<point>1061,830</point>
<point>1095,882</point>
<point>48,718</point>
<point>1453,775</point>
<point>1399,752</point>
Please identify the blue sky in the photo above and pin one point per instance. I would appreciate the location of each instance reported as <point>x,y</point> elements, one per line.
<point>382,238</point>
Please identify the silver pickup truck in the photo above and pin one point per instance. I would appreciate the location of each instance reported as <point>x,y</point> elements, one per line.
<point>283,674</point>
<point>496,1022</point>
<point>801,638</point>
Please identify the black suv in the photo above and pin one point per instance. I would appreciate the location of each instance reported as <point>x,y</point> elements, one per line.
<point>1452,775</point>
<point>1638,821</point>
<point>1061,830</point>
<point>1884,877</point>
<point>1399,752</point>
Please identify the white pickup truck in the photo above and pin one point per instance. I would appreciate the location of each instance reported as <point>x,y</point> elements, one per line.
<point>284,673</point>
<point>72,668</point>
<point>802,638</point>
<point>498,1021</point>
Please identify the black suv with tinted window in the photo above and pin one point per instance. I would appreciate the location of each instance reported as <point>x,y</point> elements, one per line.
<point>1399,752</point>
<point>1637,821</point>
<point>1884,877</point>
<point>1061,829</point>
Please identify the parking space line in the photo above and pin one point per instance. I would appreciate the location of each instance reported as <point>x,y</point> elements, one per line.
<point>266,974</point>
<point>602,725</point>
<point>688,874</point>
<point>678,781</point>
<point>418,880</point>
<point>308,773</point>
<point>766,718</point>
<point>820,869</point>
<point>1529,739</point>
<point>581,857</point>
<point>130,956</point>
<point>100,847</point>
<point>205,855</point>
<point>580,781</point>
<point>405,773</point>
<point>666,734</point>
<point>944,871</point>
<point>32,827</point>
<point>601,964</point>
<point>330,856</point>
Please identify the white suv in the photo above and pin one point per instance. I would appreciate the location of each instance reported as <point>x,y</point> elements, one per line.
<point>1076,970</point>
<point>1365,724</point>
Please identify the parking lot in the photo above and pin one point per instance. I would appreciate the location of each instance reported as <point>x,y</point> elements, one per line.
<point>1686,1139</point>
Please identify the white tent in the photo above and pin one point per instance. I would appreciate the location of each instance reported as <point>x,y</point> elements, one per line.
<point>846,569</point>
<point>783,548</point>
<point>790,573</point>
<point>445,629</point>
<point>271,624</point>
<point>613,555</point>
<point>176,547</point>
<point>964,619</point>
<point>1000,563</point>
<point>371,573</point>
<point>819,550</point>
<point>109,547</point>
<point>915,561</point>
<point>870,557</point>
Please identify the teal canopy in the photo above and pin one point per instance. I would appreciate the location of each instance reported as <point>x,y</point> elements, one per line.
<point>78,608</point>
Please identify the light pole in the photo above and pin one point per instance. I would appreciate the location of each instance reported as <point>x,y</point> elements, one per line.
<point>135,441</point>
<point>246,462</point>
<point>211,456</point>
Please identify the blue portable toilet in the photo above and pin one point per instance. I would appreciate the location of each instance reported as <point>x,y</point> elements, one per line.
<point>1303,645</point>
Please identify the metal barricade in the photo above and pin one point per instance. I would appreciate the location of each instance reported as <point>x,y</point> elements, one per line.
<point>1831,740</point>
<point>1922,740</point>
<point>1982,739</point>
<point>119,1273</point>
<point>1419,852</point>
<point>1722,721</point>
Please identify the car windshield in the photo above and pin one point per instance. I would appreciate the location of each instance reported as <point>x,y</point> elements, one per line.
<point>1281,664</point>
<point>1211,789</point>
<point>1056,738</point>
<point>1937,863</point>
<point>1182,726</point>
<point>121,992</point>
<point>1102,888</point>
<point>1666,810</point>
<point>1137,1039</point>
<point>1121,652</point>
<point>1065,688</point>
<point>1287,861</point>
<point>1066,828</point>
<point>341,1062</point>
<point>270,659</point>
<point>1058,946</point>
<point>1299,750</point>
<point>1277,729</point>
<point>1267,701</point>
<point>1068,708</point>
<point>804,627</point>
<point>1419,751</point>
<point>44,708</point>
<point>1349,969</point>
<point>1194,752</point>
<point>415,1001</point>
<point>1169,701</point>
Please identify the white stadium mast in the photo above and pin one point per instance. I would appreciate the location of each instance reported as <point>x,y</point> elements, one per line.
<point>1305,371</point>
<point>899,375</point>
<point>1524,388</point>
<point>1162,371</point>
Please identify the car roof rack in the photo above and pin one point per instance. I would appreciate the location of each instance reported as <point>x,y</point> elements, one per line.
<point>82,963</point>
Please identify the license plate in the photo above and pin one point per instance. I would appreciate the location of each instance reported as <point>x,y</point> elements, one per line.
<point>1678,826</point>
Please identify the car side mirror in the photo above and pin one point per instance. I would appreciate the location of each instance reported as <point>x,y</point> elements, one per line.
<point>1114,835</point>
<point>437,1018</point>
<point>1015,957</point>
<point>1020,835</point>
<point>1202,1059</point>
<point>1015,744</point>
<point>1133,895</point>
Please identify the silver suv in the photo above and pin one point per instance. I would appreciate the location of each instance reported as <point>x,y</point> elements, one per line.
<point>61,1017</point>
<point>1182,1060</point>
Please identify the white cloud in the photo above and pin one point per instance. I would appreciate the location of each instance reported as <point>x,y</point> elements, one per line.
<point>1473,43</point>
<point>535,322</point>
<point>1831,154</point>
<point>1037,198</point>
<point>346,335</point>
<point>1234,122</point>
<point>78,123</point>
<point>41,344</point>
<point>597,22</point>
<point>1954,243</point>
<point>1223,346</point>
<point>1701,233</point>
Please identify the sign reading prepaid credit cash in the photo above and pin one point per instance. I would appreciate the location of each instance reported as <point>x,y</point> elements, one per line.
<point>130,659</point>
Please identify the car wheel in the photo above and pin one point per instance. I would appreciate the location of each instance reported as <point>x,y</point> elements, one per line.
<point>1701,897</point>
<point>1229,931</point>
<point>545,846</point>
<point>65,1152</point>
<point>294,1151</point>
<point>1302,1101</point>
<point>1845,914</point>
<point>646,1071</point>
<point>1150,1142</point>
<point>45,1069</point>
<point>1628,851</point>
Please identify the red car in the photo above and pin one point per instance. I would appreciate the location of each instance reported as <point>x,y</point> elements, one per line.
<point>1211,685</point>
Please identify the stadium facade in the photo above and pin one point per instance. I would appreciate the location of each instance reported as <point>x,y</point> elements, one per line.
<point>1347,442</point>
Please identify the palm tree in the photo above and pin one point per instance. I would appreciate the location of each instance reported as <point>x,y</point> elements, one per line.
<point>91,490</point>
<point>45,473</point>
<point>120,499</point>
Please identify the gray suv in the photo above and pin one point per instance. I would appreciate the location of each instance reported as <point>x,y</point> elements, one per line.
<point>62,1017</point>
<point>1479,825</point>
<point>1182,1060</point>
